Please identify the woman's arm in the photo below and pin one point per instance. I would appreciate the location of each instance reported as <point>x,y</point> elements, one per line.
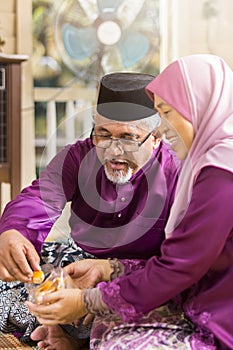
<point>186,256</point>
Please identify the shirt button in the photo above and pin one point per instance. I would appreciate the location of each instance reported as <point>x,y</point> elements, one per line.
<point>123,199</point>
<point>119,215</point>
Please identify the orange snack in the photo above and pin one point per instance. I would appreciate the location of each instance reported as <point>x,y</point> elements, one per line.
<point>48,280</point>
<point>38,277</point>
<point>50,285</point>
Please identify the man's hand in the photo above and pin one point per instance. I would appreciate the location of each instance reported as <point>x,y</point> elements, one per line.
<point>61,307</point>
<point>88,272</point>
<point>18,257</point>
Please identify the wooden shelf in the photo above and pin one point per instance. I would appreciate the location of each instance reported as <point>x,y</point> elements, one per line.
<point>6,58</point>
<point>10,121</point>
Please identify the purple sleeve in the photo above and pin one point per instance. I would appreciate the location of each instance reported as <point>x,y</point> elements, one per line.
<point>34,211</point>
<point>185,257</point>
<point>132,264</point>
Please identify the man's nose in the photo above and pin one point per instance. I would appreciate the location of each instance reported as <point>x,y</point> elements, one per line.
<point>115,147</point>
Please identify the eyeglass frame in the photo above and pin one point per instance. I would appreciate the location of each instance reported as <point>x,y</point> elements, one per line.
<point>139,144</point>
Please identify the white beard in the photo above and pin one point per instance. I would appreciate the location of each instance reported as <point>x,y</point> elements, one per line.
<point>118,177</point>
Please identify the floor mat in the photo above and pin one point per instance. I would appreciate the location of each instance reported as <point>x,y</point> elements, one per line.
<point>9,341</point>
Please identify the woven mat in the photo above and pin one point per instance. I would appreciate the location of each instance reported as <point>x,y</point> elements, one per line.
<point>9,341</point>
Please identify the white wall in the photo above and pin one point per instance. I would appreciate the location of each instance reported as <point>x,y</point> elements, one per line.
<point>189,32</point>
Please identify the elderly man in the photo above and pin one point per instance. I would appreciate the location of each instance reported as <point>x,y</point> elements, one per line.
<point>120,182</point>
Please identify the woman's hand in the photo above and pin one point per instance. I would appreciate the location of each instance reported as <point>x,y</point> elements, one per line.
<point>61,307</point>
<point>18,257</point>
<point>88,272</point>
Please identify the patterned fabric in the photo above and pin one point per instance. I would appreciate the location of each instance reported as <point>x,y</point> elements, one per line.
<point>163,328</point>
<point>14,315</point>
<point>9,341</point>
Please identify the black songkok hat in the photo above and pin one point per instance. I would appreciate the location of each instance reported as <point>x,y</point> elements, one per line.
<point>122,97</point>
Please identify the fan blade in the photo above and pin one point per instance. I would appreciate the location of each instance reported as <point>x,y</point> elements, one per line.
<point>133,47</point>
<point>90,8</point>
<point>128,11</point>
<point>107,8</point>
<point>111,59</point>
<point>80,13</point>
<point>79,43</point>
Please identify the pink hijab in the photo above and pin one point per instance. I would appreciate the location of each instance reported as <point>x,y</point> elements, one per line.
<point>199,87</point>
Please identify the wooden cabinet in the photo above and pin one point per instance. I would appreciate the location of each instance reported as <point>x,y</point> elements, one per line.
<point>10,121</point>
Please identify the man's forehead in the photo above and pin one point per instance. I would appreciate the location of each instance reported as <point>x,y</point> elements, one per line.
<point>101,121</point>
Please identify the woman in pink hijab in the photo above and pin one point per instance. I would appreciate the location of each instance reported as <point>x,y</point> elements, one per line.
<point>194,96</point>
<point>182,299</point>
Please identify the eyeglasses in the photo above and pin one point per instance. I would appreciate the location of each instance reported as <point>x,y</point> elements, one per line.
<point>127,145</point>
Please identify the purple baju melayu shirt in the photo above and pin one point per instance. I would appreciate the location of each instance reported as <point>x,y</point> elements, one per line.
<point>107,220</point>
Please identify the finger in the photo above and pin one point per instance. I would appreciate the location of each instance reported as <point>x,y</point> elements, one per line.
<point>5,275</point>
<point>77,322</point>
<point>42,345</point>
<point>40,310</point>
<point>20,265</point>
<point>10,271</point>
<point>69,281</point>
<point>40,333</point>
<point>13,257</point>
<point>29,305</point>
<point>79,268</point>
<point>88,319</point>
<point>71,270</point>
<point>33,259</point>
<point>7,266</point>
<point>50,298</point>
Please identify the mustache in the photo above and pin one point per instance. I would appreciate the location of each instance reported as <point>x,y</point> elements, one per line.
<point>116,160</point>
<point>130,164</point>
